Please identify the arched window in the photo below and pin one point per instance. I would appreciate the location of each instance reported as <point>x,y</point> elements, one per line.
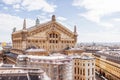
<point>50,35</point>
<point>56,36</point>
<point>53,35</point>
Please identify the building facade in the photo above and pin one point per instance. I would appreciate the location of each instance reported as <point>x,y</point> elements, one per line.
<point>65,67</point>
<point>83,68</point>
<point>11,72</point>
<point>57,67</point>
<point>108,65</point>
<point>51,36</point>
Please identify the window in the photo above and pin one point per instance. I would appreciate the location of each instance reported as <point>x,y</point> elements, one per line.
<point>92,70</point>
<point>53,41</point>
<point>75,63</point>
<point>56,36</point>
<point>75,77</point>
<point>83,64</point>
<point>83,71</point>
<point>53,35</point>
<point>56,41</point>
<point>50,36</point>
<point>36,41</point>
<point>88,72</point>
<point>75,70</point>
<point>78,70</point>
<point>43,41</point>
<point>88,64</point>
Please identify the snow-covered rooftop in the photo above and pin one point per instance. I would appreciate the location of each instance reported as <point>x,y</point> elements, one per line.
<point>46,57</point>
<point>74,49</point>
<point>51,57</point>
<point>35,50</point>
<point>84,57</point>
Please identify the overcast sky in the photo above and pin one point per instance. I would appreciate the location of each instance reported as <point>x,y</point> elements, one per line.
<point>96,20</point>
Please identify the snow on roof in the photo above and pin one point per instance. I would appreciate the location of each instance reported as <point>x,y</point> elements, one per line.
<point>46,76</point>
<point>82,57</point>
<point>75,56</point>
<point>74,49</point>
<point>11,71</point>
<point>86,57</point>
<point>46,57</point>
<point>22,55</point>
<point>51,57</point>
<point>57,54</point>
<point>35,50</point>
<point>1,48</point>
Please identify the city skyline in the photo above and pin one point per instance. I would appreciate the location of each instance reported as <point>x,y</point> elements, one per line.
<point>96,21</point>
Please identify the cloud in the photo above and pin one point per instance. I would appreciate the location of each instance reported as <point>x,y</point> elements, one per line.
<point>98,9</point>
<point>5,8</point>
<point>99,37</point>
<point>61,18</point>
<point>116,19</point>
<point>16,6</point>
<point>8,22</point>
<point>37,5</point>
<point>31,5</point>
<point>11,1</point>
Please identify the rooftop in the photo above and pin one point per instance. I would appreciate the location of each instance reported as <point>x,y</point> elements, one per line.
<point>35,50</point>
<point>108,57</point>
<point>56,58</point>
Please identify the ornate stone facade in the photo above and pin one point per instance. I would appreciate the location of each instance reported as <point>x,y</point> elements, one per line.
<point>51,36</point>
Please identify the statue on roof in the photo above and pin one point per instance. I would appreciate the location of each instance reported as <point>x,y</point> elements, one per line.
<point>24,24</point>
<point>14,29</point>
<point>53,18</point>
<point>37,21</point>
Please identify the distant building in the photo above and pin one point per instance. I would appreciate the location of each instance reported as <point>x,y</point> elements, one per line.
<point>51,36</point>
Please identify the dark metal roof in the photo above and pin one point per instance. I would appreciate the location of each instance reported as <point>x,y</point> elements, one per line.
<point>12,55</point>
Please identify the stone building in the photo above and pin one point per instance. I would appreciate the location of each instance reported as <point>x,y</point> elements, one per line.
<point>57,66</point>
<point>62,67</point>
<point>83,67</point>
<point>108,65</point>
<point>51,36</point>
<point>11,72</point>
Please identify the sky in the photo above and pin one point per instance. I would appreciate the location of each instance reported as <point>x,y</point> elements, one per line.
<point>96,20</point>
